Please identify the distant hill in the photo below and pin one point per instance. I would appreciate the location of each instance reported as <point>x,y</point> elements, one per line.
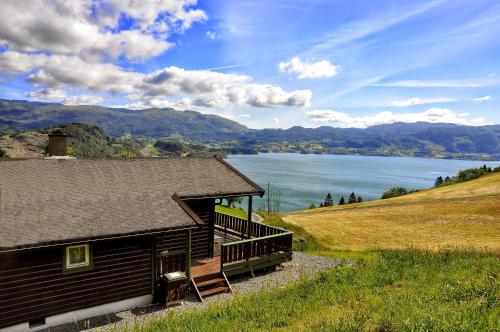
<point>463,215</point>
<point>152,122</point>
<point>421,139</point>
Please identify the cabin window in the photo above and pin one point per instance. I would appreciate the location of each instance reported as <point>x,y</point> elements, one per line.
<point>77,258</point>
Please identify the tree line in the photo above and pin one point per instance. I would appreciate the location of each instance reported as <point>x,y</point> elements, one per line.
<point>465,175</point>
<point>462,176</point>
<point>329,200</point>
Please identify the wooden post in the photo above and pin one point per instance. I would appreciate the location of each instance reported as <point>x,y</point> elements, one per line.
<point>188,256</point>
<point>249,217</point>
<point>249,227</point>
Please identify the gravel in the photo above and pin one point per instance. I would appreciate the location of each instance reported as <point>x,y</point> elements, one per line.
<point>302,264</point>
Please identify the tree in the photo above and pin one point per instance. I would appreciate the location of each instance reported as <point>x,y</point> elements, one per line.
<point>232,201</point>
<point>342,201</point>
<point>352,198</point>
<point>312,206</point>
<point>271,200</point>
<point>438,182</point>
<point>395,192</point>
<point>360,199</point>
<point>328,200</point>
<point>321,205</point>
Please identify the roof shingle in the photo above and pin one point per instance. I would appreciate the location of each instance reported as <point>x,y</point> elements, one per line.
<point>46,201</point>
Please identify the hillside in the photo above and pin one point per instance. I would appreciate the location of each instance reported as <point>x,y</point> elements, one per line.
<point>461,215</point>
<point>154,122</point>
<point>439,140</point>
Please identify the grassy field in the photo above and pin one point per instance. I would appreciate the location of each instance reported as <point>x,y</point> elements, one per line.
<point>231,211</point>
<point>395,288</point>
<point>465,215</point>
<point>405,290</point>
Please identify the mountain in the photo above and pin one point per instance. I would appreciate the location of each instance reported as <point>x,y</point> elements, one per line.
<point>421,139</point>
<point>152,122</point>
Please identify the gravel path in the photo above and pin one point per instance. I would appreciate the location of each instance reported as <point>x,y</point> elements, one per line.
<point>301,264</point>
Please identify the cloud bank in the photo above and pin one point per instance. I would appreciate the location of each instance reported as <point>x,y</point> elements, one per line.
<point>75,45</point>
<point>432,115</point>
<point>420,101</point>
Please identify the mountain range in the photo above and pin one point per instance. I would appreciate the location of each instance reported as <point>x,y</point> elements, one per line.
<point>419,139</point>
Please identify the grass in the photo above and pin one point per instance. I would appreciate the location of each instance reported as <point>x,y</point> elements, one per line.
<point>392,290</point>
<point>409,284</point>
<point>464,215</point>
<point>231,211</point>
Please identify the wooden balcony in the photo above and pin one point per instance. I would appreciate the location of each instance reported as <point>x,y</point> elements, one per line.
<point>250,246</point>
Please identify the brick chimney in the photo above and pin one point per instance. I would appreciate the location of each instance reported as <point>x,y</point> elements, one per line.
<point>58,144</point>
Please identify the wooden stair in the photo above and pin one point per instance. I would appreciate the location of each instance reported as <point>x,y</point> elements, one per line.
<point>211,284</point>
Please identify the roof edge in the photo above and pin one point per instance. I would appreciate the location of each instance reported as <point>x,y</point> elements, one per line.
<point>259,189</point>
<point>50,244</point>
<point>187,209</point>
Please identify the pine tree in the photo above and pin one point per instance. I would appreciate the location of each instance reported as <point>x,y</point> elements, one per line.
<point>360,199</point>
<point>321,205</point>
<point>438,182</point>
<point>342,201</point>
<point>312,206</point>
<point>352,198</point>
<point>328,200</point>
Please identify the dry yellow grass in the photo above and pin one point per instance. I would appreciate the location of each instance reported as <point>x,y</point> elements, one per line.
<point>465,215</point>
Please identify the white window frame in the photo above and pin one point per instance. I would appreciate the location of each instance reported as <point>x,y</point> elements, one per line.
<point>70,266</point>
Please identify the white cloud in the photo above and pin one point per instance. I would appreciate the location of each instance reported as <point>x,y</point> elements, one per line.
<point>17,63</point>
<point>61,70</point>
<point>203,88</point>
<point>51,94</point>
<point>319,69</point>
<point>211,35</point>
<point>71,45</point>
<point>457,83</point>
<point>485,98</point>
<point>433,115</point>
<point>90,28</point>
<point>219,90</point>
<point>420,101</point>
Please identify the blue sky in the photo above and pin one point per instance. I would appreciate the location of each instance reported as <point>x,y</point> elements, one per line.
<point>262,63</point>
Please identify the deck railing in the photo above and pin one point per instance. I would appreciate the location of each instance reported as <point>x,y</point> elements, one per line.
<point>264,240</point>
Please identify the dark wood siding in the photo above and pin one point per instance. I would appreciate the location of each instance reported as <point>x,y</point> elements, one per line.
<point>175,241</point>
<point>33,286</point>
<point>202,235</point>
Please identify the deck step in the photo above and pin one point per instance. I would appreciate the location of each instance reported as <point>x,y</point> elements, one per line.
<point>213,291</point>
<point>207,277</point>
<point>208,282</point>
<point>210,285</point>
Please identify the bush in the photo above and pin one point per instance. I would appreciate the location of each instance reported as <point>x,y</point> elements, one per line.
<point>395,192</point>
<point>2,153</point>
<point>465,175</point>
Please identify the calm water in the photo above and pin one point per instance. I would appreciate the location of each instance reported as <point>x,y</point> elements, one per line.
<point>303,179</point>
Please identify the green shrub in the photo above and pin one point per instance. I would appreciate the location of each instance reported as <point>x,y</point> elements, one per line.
<point>394,192</point>
<point>2,153</point>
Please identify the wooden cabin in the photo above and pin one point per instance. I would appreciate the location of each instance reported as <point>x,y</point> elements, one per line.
<point>83,237</point>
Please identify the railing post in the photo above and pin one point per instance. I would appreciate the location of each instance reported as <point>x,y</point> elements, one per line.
<point>222,255</point>
<point>249,216</point>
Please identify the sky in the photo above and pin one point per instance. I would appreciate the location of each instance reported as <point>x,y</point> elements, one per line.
<point>265,64</point>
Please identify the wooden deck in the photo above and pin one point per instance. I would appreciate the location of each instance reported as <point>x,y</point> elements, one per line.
<point>205,267</point>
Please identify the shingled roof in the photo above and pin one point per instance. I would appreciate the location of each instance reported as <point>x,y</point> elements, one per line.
<point>52,201</point>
